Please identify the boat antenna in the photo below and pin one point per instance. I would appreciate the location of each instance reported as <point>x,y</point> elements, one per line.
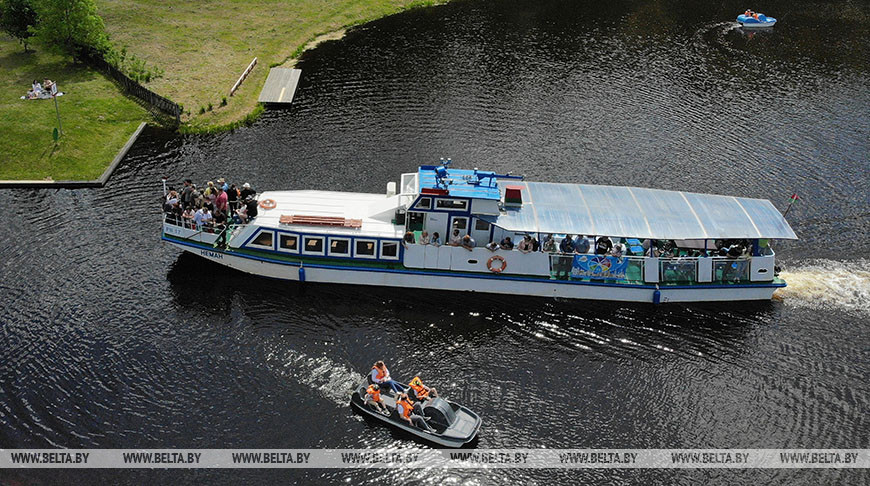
<point>164,185</point>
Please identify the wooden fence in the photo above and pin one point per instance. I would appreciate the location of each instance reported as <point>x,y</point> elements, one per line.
<point>132,87</point>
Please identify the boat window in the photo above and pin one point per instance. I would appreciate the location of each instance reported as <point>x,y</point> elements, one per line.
<point>263,239</point>
<point>390,250</point>
<point>481,225</point>
<point>364,249</point>
<point>454,204</point>
<point>288,243</point>
<point>339,246</point>
<point>424,203</point>
<point>313,245</point>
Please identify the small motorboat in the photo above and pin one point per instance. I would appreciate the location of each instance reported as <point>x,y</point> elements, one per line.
<point>754,20</point>
<point>453,424</point>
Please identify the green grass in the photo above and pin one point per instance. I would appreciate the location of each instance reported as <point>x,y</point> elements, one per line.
<point>97,119</point>
<point>203,46</point>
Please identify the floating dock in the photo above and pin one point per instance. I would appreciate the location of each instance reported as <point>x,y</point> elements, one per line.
<point>280,85</point>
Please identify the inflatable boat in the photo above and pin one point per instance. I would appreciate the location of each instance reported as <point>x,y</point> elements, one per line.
<point>453,424</point>
<point>755,21</point>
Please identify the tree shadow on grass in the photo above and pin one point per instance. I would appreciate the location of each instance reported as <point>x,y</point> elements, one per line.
<point>30,66</point>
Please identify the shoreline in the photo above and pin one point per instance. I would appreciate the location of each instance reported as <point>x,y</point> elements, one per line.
<point>186,128</point>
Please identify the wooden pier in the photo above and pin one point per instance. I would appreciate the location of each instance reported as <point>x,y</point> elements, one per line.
<point>280,85</point>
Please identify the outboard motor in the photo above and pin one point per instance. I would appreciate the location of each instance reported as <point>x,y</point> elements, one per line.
<point>440,411</point>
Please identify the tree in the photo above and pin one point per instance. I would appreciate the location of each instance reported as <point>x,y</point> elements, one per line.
<point>17,18</point>
<point>71,26</point>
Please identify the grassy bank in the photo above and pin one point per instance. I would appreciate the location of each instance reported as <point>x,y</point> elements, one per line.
<point>97,119</point>
<point>203,46</point>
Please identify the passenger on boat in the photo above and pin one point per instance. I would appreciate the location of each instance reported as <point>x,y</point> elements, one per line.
<point>456,239</point>
<point>411,412</point>
<point>468,242</point>
<point>247,192</point>
<point>222,184</point>
<point>422,392</point>
<point>187,218</point>
<point>373,396</point>
<point>536,245</point>
<point>567,245</point>
<point>241,215</point>
<point>549,244</point>
<point>424,238</point>
<point>251,205</point>
<point>408,239</point>
<point>616,251</point>
<point>492,246</point>
<point>202,218</point>
<point>221,201</point>
<point>186,194</point>
<point>506,243</point>
<point>525,245</point>
<point>603,246</point>
<point>233,198</point>
<point>436,239</point>
<point>381,375</point>
<point>581,244</point>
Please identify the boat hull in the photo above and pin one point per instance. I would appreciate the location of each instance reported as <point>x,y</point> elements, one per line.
<point>508,285</point>
<point>356,401</point>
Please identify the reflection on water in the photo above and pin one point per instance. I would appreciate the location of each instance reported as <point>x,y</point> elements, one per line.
<point>112,339</point>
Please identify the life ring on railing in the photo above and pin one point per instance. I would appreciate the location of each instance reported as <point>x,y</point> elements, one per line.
<point>268,204</point>
<point>499,268</point>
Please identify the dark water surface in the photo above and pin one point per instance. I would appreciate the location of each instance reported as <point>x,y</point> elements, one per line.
<point>111,339</point>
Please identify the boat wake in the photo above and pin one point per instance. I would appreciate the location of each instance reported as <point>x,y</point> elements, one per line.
<point>828,283</point>
<point>331,380</point>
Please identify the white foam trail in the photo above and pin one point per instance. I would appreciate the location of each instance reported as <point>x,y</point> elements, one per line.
<point>828,283</point>
<point>329,379</point>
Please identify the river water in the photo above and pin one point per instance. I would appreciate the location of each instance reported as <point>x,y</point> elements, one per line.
<point>112,339</point>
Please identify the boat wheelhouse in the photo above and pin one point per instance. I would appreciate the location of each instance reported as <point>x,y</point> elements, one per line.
<point>676,244</point>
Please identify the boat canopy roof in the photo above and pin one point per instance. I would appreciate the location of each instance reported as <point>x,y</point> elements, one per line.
<point>633,212</point>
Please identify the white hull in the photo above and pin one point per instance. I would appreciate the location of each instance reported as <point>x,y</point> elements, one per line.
<point>758,25</point>
<point>486,284</point>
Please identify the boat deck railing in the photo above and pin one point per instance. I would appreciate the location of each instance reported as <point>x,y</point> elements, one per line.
<point>671,270</point>
<point>628,269</point>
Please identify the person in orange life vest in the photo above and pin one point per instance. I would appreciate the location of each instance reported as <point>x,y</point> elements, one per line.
<point>411,412</point>
<point>373,395</point>
<point>381,375</point>
<point>422,392</point>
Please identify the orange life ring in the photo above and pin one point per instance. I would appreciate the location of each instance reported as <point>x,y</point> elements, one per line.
<point>268,204</point>
<point>498,269</point>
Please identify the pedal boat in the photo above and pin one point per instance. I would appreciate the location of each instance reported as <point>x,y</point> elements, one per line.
<point>454,424</point>
<point>750,22</point>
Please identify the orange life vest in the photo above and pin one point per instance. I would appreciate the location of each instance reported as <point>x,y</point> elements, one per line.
<point>419,389</point>
<point>381,374</point>
<point>376,394</point>
<point>407,407</point>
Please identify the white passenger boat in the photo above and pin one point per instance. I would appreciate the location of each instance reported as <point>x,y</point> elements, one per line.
<point>673,240</point>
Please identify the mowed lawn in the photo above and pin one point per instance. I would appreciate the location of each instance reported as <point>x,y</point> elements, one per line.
<point>97,119</point>
<point>203,46</point>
